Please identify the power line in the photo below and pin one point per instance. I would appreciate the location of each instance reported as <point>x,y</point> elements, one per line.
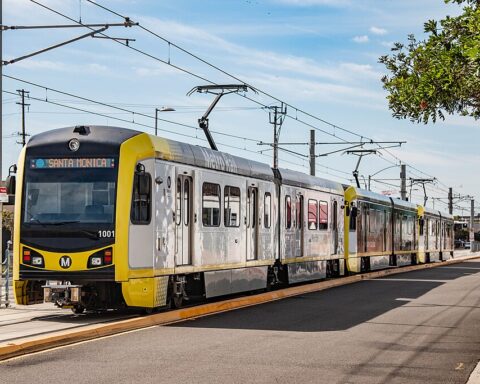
<point>120,108</point>
<point>171,44</point>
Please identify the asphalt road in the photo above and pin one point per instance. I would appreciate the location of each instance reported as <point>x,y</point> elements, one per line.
<point>417,327</point>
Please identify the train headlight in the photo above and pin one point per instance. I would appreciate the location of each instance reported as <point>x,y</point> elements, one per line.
<point>96,261</point>
<point>37,260</point>
<point>74,145</point>
<point>31,257</point>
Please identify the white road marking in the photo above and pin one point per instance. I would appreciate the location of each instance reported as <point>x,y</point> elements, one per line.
<point>475,376</point>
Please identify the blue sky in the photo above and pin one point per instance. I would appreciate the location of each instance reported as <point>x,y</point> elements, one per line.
<point>321,56</point>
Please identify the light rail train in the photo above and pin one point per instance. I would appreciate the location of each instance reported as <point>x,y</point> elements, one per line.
<point>109,217</point>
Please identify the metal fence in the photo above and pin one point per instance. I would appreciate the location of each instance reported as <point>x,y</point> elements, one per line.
<point>6,277</point>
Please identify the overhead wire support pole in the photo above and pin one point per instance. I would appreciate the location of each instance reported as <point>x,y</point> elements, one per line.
<point>276,119</point>
<point>403,183</point>
<point>23,134</point>
<point>312,152</point>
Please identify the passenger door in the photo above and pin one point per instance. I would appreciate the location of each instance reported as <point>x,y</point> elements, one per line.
<point>299,235</point>
<point>252,223</point>
<point>183,220</point>
<point>334,227</point>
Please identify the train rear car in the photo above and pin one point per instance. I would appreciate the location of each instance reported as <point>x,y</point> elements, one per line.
<point>435,235</point>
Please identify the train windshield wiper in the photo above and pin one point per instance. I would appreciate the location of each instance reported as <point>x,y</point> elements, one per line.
<point>64,222</point>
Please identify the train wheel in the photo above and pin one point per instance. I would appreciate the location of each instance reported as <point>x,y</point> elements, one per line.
<point>177,301</point>
<point>363,265</point>
<point>78,309</point>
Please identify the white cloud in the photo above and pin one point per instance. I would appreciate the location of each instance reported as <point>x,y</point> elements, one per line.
<point>388,44</point>
<point>378,31</point>
<point>309,3</point>
<point>361,39</point>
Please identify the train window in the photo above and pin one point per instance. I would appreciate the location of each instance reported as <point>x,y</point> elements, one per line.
<point>178,208</point>
<point>323,218</point>
<point>267,220</point>
<point>372,220</point>
<point>211,205</point>
<point>140,212</point>
<point>231,206</point>
<point>421,223</point>
<point>299,211</point>
<point>253,207</point>
<point>186,200</point>
<point>352,224</point>
<point>288,212</point>
<point>312,214</point>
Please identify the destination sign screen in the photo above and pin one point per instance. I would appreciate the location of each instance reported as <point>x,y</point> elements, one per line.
<point>98,162</point>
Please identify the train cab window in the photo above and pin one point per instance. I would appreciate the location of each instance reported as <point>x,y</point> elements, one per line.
<point>141,209</point>
<point>312,214</point>
<point>323,217</point>
<point>231,206</point>
<point>211,205</point>
<point>267,215</point>
<point>288,212</point>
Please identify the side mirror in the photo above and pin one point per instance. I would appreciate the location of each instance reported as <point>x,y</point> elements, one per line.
<point>11,181</point>
<point>143,184</point>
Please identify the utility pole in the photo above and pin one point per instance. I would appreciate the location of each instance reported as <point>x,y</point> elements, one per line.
<point>450,201</point>
<point>312,152</point>
<point>276,119</point>
<point>23,134</point>
<point>156,121</point>
<point>472,215</point>
<point>403,185</point>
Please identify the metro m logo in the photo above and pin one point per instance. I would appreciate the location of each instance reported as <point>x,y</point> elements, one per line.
<point>65,262</point>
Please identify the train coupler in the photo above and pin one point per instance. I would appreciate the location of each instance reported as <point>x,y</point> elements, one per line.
<point>63,295</point>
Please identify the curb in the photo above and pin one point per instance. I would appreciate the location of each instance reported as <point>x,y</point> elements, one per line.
<point>57,339</point>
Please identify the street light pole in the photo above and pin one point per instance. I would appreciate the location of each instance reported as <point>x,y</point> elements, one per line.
<point>163,109</point>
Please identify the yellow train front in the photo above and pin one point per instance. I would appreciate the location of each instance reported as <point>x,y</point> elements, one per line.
<point>72,214</point>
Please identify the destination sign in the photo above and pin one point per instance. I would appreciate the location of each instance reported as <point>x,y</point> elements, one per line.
<point>99,162</point>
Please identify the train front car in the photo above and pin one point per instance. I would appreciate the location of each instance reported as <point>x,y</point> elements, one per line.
<point>65,221</point>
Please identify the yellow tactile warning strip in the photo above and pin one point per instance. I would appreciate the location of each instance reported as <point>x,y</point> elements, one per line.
<point>61,338</point>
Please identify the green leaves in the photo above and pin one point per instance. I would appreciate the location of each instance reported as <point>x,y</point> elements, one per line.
<point>438,76</point>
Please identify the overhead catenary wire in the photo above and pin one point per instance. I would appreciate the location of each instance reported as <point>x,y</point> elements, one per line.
<point>297,110</point>
<point>335,126</point>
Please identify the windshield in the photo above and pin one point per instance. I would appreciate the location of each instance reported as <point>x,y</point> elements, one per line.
<point>61,196</point>
<point>69,202</point>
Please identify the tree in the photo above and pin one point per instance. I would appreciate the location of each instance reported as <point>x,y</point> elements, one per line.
<point>440,74</point>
